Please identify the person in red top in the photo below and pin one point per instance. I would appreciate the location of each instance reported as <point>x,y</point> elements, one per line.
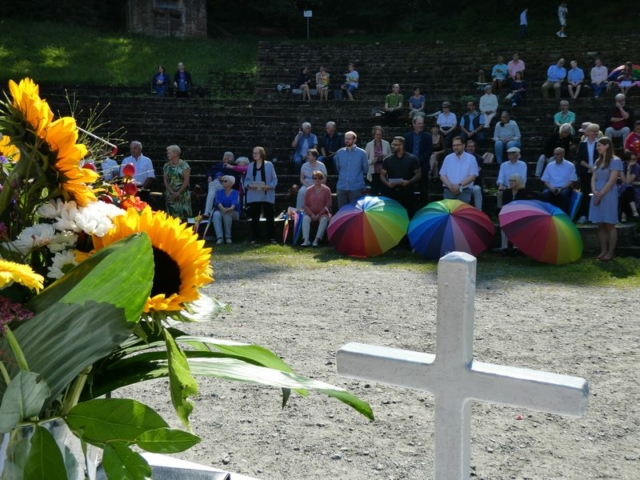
<point>633,140</point>
<point>316,208</point>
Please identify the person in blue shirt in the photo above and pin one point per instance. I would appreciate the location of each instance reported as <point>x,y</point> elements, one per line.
<point>352,165</point>
<point>576,77</point>
<point>302,142</point>
<point>555,76</point>
<point>160,82</point>
<point>499,74</point>
<point>227,209</point>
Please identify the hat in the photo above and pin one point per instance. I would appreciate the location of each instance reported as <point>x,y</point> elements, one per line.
<point>583,127</point>
<point>513,150</point>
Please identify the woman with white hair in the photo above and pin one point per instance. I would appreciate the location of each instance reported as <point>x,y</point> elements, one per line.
<point>227,203</point>
<point>213,180</point>
<point>176,181</point>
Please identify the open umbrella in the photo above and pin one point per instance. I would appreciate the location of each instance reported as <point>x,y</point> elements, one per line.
<point>615,73</point>
<point>541,231</point>
<point>450,225</point>
<point>367,227</point>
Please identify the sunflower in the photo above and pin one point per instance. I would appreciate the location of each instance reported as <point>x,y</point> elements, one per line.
<point>11,272</point>
<point>181,263</point>
<point>74,180</point>
<point>8,150</point>
<point>26,98</point>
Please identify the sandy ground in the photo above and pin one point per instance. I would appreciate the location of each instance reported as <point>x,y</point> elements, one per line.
<point>306,315</point>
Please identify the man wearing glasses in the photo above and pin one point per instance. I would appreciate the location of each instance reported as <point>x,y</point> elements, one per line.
<point>459,171</point>
<point>352,165</point>
<point>558,177</point>
<point>400,175</point>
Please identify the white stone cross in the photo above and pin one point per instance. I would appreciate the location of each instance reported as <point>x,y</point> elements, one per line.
<point>455,378</point>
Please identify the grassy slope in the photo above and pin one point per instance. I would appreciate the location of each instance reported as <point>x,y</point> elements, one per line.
<point>51,52</point>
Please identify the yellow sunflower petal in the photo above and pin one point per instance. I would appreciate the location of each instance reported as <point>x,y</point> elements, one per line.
<point>8,150</point>
<point>26,98</point>
<point>180,246</point>
<point>11,272</point>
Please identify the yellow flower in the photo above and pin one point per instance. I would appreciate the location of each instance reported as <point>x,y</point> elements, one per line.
<point>26,98</point>
<point>11,272</point>
<point>8,150</point>
<point>74,180</point>
<point>182,265</point>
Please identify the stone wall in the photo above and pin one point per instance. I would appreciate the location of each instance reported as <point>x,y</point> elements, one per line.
<point>168,18</point>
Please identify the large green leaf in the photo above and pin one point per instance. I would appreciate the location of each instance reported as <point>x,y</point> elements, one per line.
<point>166,440</point>
<point>105,419</point>
<point>64,338</point>
<point>120,274</point>
<point>181,383</point>
<point>44,461</point>
<point>120,462</point>
<point>23,399</point>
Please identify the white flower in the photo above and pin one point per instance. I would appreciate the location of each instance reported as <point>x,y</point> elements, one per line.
<point>33,237</point>
<point>95,218</point>
<point>62,212</point>
<point>62,263</point>
<point>61,241</point>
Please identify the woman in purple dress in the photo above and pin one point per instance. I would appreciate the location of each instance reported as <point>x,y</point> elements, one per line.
<point>604,202</point>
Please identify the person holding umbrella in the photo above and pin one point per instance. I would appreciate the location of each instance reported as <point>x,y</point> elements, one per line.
<point>604,202</point>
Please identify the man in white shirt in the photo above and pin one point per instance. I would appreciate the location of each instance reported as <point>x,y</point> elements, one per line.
<point>599,75</point>
<point>558,179</point>
<point>144,175</point>
<point>488,105</point>
<point>459,171</point>
<point>514,166</point>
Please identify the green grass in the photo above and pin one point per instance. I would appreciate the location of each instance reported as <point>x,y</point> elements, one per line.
<point>621,273</point>
<point>52,52</point>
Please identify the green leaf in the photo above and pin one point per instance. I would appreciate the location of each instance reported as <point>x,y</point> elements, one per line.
<point>23,399</point>
<point>166,440</point>
<point>112,419</point>
<point>44,461</point>
<point>181,383</point>
<point>120,462</point>
<point>84,317</point>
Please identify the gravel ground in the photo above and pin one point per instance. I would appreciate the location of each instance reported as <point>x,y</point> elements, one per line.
<point>306,314</point>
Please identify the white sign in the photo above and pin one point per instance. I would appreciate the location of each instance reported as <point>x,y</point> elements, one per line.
<point>308,13</point>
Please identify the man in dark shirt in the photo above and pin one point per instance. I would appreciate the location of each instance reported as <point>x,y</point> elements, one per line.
<point>400,174</point>
<point>620,122</point>
<point>331,143</point>
<point>182,82</point>
<point>419,143</point>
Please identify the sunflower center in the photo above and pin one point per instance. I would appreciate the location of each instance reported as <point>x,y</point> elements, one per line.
<point>166,278</point>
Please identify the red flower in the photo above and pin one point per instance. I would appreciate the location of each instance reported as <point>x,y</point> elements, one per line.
<point>89,166</point>
<point>130,188</point>
<point>129,170</point>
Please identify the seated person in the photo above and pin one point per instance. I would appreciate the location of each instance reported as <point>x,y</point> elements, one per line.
<point>558,179</point>
<point>514,166</point>
<point>565,116</point>
<point>227,209</point>
<point>160,82</point>
<point>182,82</point>
<point>447,123</point>
<point>599,76</point>
<point>629,191</point>
<point>306,175</point>
<point>506,134</point>
<point>110,169</point>
<point>488,105</point>
<point>472,123</point>
<point>621,120</point>
<point>352,81</point>
<point>458,173</point>
<point>302,84</point>
<point>632,143</point>
<point>213,180</point>
<point>518,89</point>
<point>499,74</point>
<point>392,103</point>
<point>575,77</point>
<point>416,104</point>
<point>437,152</point>
<point>322,83</point>
<point>316,208</point>
<point>302,142</point>
<point>514,191</point>
<point>481,81</point>
<point>625,79</point>
<point>562,138</point>
<point>555,76</point>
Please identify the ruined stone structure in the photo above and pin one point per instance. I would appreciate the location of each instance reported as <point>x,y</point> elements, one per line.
<point>168,18</point>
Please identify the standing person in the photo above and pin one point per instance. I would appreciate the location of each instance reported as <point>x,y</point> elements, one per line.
<point>260,185</point>
<point>377,150</point>
<point>160,82</point>
<point>604,202</point>
<point>585,160</point>
<point>316,208</point>
<point>302,142</point>
<point>399,171</point>
<point>352,81</point>
<point>419,143</point>
<point>458,173</point>
<point>176,181</point>
<point>322,83</point>
<point>352,166</point>
<point>563,11</point>
<point>599,75</point>
<point>227,209</point>
<point>416,104</point>
<point>524,25</point>
<point>182,82</point>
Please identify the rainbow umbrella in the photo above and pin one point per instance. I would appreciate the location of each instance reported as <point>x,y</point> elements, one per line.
<point>367,227</point>
<point>615,73</point>
<point>542,231</point>
<point>450,225</point>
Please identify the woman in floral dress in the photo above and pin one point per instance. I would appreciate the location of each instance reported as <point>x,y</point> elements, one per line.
<point>176,182</point>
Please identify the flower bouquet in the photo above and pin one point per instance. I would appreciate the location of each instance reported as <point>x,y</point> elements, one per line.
<point>94,286</point>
